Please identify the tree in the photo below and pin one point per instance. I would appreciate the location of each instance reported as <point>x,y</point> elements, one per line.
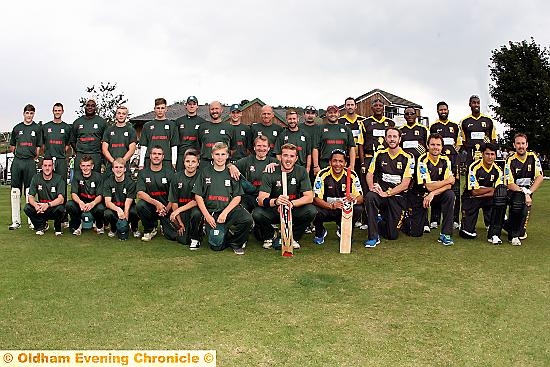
<point>520,75</point>
<point>106,99</point>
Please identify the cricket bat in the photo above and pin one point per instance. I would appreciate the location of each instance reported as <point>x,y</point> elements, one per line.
<point>346,224</point>
<point>286,223</point>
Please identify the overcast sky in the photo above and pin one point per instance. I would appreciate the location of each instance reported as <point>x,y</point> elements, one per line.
<point>284,52</point>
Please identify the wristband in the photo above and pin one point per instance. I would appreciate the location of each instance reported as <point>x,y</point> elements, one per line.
<point>267,202</point>
<point>49,205</point>
<point>526,191</point>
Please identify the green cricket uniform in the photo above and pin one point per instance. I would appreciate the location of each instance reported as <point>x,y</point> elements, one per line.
<point>119,192</point>
<point>298,138</point>
<point>414,139</point>
<point>162,133</point>
<point>26,139</point>
<point>188,130</point>
<point>57,137</point>
<point>119,139</point>
<point>271,131</point>
<point>86,137</point>
<point>242,141</point>
<point>157,186</point>
<point>209,134</point>
<point>180,188</point>
<point>375,133</point>
<point>334,136</point>
<point>253,170</point>
<point>181,193</point>
<point>87,189</point>
<point>313,131</point>
<point>46,191</point>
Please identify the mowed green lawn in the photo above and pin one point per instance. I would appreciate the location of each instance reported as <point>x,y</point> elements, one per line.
<point>410,302</point>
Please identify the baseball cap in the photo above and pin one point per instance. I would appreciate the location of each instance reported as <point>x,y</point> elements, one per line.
<point>122,229</point>
<point>235,107</point>
<point>332,107</point>
<point>216,235</point>
<point>310,109</point>
<point>192,99</point>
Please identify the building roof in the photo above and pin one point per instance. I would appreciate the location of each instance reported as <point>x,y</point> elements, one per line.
<point>392,98</point>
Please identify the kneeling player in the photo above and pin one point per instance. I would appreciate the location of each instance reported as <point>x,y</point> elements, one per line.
<point>218,196</point>
<point>485,191</point>
<point>330,193</point>
<point>185,221</point>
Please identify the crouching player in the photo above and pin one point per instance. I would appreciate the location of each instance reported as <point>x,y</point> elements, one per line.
<point>185,223</point>
<point>485,190</point>
<point>330,193</point>
<point>218,196</point>
<point>119,191</point>
<point>49,189</point>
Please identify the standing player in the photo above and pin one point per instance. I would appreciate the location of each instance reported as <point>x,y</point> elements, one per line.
<point>218,196</point>
<point>523,175</point>
<point>476,130</point>
<point>267,127</point>
<point>299,199</point>
<point>185,215</point>
<point>25,142</point>
<point>375,130</point>
<point>86,135</point>
<point>46,198</point>
<point>152,188</point>
<point>293,135</point>
<point>242,137</point>
<point>188,127</point>
<point>388,177</point>
<point>333,136</point>
<point>485,190</point>
<point>119,140</point>
<point>119,192</point>
<point>355,122</point>
<point>330,194</point>
<point>450,132</point>
<point>86,190</point>
<point>159,132</point>
<point>56,136</point>
<point>213,131</point>
<point>413,135</point>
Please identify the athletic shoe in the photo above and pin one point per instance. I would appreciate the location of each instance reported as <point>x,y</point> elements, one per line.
<point>495,240</point>
<point>427,229</point>
<point>524,237</point>
<point>65,225</point>
<point>321,239</point>
<point>364,227</point>
<point>445,239</point>
<point>238,251</point>
<point>58,233</point>
<point>372,242</point>
<point>100,230</point>
<point>267,244</point>
<point>137,234</point>
<point>194,245</point>
<point>111,234</point>
<point>433,225</point>
<point>31,226</point>
<point>338,232</point>
<point>456,225</point>
<point>78,231</point>
<point>14,226</point>
<point>149,236</point>
<point>358,224</point>
<point>41,232</point>
<point>295,245</point>
<point>515,241</point>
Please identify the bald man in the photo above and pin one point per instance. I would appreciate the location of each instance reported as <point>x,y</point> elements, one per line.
<point>213,131</point>
<point>267,128</point>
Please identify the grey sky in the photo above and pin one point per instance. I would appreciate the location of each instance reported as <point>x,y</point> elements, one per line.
<point>284,52</point>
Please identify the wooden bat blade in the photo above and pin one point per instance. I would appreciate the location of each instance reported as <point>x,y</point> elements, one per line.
<point>346,224</point>
<point>286,222</point>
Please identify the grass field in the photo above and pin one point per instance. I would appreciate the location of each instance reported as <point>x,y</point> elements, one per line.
<point>410,302</point>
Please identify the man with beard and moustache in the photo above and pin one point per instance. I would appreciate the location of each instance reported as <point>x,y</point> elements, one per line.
<point>188,127</point>
<point>355,122</point>
<point>242,137</point>
<point>299,199</point>
<point>267,128</point>
<point>388,177</point>
<point>56,136</point>
<point>253,169</point>
<point>153,186</point>
<point>119,140</point>
<point>375,129</point>
<point>119,192</point>
<point>86,135</point>
<point>485,190</point>
<point>450,131</point>
<point>523,175</point>
<point>25,142</point>
<point>333,136</point>
<point>413,135</point>
<point>86,195</point>
<point>293,135</point>
<point>185,215</point>
<point>433,180</point>
<point>213,131</point>
<point>476,129</point>
<point>45,198</point>
<point>159,132</point>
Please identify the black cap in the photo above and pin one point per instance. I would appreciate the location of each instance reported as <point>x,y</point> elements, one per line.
<point>235,107</point>
<point>310,109</point>
<point>192,99</point>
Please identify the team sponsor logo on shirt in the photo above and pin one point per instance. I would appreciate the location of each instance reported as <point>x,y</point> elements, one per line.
<point>399,165</point>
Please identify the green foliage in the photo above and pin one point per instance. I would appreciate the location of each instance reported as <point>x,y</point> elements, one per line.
<point>107,100</point>
<point>520,75</point>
